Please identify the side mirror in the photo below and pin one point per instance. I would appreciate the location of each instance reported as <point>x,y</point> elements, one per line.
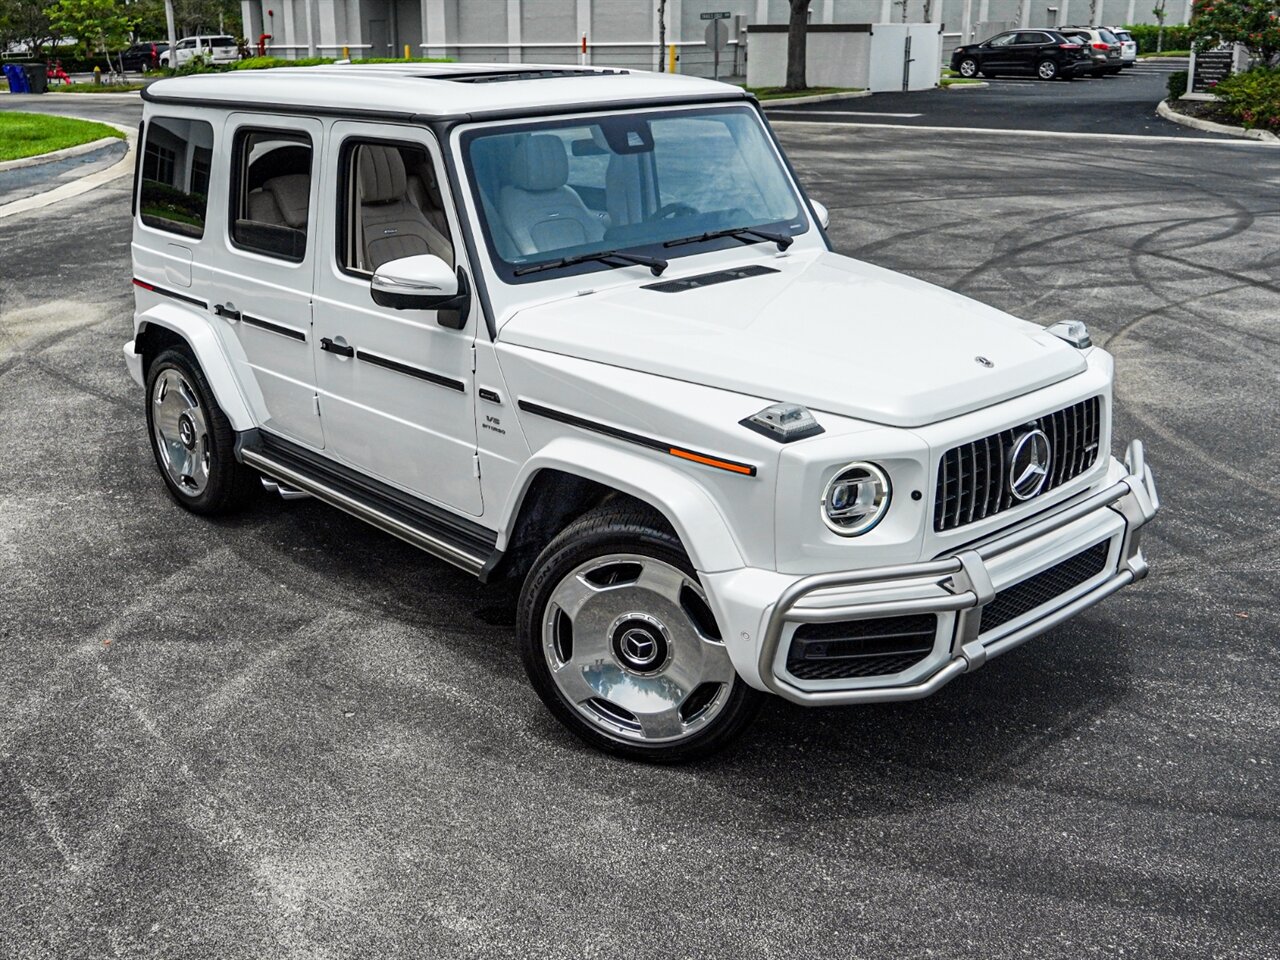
<point>824,216</point>
<point>424,282</point>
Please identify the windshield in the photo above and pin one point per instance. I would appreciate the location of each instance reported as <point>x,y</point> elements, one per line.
<point>632,182</point>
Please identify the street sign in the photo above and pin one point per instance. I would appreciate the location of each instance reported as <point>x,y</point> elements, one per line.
<point>717,35</point>
<point>718,15</point>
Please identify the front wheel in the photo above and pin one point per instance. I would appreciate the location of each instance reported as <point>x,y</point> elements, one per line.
<point>618,640</point>
<point>968,68</point>
<point>1047,70</point>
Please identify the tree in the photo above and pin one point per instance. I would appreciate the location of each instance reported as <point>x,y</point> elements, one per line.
<point>1159,14</point>
<point>797,44</point>
<point>99,25</point>
<point>1253,24</point>
<point>25,22</point>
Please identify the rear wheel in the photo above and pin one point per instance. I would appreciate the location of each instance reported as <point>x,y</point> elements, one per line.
<point>968,67</point>
<point>1047,70</point>
<point>191,438</point>
<point>618,640</point>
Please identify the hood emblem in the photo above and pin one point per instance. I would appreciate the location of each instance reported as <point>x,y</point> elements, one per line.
<point>1029,464</point>
<point>984,361</point>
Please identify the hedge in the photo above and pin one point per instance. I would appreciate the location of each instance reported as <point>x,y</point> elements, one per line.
<point>1176,36</point>
<point>1252,98</point>
<point>1177,84</point>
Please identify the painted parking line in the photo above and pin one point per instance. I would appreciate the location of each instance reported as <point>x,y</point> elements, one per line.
<point>843,113</point>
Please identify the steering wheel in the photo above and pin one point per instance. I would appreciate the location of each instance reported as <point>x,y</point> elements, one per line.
<point>672,210</point>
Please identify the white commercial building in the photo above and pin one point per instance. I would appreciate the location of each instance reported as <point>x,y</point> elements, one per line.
<point>625,33</point>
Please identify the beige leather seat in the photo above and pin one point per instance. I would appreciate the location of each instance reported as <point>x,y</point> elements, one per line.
<point>540,210</point>
<point>390,225</point>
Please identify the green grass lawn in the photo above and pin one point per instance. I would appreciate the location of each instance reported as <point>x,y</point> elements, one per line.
<point>778,93</point>
<point>1165,53</point>
<point>29,134</point>
<point>956,81</point>
<point>94,87</point>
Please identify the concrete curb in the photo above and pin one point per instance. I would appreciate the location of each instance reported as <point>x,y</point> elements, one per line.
<point>64,154</point>
<point>980,85</point>
<point>122,95</point>
<point>817,98</point>
<point>121,168</point>
<point>1168,113</point>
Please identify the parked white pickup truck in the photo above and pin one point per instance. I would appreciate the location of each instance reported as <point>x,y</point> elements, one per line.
<point>584,328</point>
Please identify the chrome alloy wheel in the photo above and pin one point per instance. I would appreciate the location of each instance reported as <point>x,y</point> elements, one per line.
<point>632,645</point>
<point>1047,70</point>
<point>181,432</point>
<point>969,68</point>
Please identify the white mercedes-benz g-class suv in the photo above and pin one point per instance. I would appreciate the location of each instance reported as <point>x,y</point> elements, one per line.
<point>584,328</point>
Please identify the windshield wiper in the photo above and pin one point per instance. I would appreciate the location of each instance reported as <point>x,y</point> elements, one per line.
<point>655,264</point>
<point>739,233</point>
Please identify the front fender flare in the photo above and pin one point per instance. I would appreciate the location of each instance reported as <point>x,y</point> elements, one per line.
<point>210,354</point>
<point>688,506</point>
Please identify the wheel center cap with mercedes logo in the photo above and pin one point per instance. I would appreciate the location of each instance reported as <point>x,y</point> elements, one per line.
<point>640,643</point>
<point>1029,464</point>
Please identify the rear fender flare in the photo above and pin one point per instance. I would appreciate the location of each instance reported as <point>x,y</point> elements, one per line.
<point>209,353</point>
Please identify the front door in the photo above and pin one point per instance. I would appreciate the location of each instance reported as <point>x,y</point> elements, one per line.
<point>999,54</point>
<point>263,270</point>
<point>396,386</point>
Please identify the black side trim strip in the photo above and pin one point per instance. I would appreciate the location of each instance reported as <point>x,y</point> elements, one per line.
<point>289,332</point>
<point>194,301</point>
<point>398,367</point>
<point>675,450</point>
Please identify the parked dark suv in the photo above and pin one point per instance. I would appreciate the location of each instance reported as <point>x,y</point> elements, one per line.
<point>1046,54</point>
<point>143,56</point>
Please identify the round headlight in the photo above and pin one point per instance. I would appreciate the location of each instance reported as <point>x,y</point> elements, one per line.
<point>855,499</point>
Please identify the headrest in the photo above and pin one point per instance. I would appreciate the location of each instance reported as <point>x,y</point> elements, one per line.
<point>540,163</point>
<point>382,176</point>
<point>292,194</point>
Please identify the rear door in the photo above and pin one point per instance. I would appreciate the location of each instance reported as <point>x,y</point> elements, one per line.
<point>263,268</point>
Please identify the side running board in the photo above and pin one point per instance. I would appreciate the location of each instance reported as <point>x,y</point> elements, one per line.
<point>459,541</point>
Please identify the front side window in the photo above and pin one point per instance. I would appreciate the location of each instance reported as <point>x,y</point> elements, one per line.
<point>1003,40</point>
<point>176,160</point>
<point>390,206</point>
<point>641,182</point>
<point>271,192</point>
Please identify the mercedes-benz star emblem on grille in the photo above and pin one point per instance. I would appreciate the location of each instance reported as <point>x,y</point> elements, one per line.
<point>1029,464</point>
<point>984,361</point>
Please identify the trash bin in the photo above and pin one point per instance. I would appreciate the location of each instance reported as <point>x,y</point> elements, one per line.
<point>17,78</point>
<point>37,78</point>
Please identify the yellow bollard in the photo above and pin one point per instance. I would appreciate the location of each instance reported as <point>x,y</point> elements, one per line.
<point>97,75</point>
<point>346,53</point>
<point>406,51</point>
<point>671,58</point>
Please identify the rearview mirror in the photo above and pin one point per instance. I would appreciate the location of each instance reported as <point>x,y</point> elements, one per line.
<point>423,282</point>
<point>824,216</point>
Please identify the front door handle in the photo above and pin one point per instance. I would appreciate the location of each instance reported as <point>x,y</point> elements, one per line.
<point>341,349</point>
<point>227,312</point>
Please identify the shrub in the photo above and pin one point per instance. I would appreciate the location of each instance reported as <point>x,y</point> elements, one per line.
<point>1252,98</point>
<point>1177,84</point>
<point>1253,24</point>
<point>1176,37</point>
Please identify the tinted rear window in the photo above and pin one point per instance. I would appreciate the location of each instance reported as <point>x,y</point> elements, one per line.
<point>1107,36</point>
<point>175,175</point>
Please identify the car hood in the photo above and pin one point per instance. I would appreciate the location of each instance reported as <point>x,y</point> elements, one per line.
<point>829,332</point>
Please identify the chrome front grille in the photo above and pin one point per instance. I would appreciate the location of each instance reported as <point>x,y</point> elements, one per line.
<point>973,478</point>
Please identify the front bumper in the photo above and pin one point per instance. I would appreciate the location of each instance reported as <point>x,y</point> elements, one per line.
<point>958,587</point>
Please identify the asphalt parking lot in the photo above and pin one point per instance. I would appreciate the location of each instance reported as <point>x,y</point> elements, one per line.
<point>288,735</point>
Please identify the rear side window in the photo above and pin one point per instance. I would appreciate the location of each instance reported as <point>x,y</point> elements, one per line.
<point>175,175</point>
<point>271,192</point>
<point>222,42</point>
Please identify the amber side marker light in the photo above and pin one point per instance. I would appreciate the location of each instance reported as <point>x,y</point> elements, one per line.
<point>729,465</point>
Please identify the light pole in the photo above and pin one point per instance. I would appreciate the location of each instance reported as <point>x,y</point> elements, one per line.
<point>662,36</point>
<point>173,34</point>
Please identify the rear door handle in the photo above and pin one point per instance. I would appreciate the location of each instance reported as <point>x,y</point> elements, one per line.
<point>225,311</point>
<point>341,349</point>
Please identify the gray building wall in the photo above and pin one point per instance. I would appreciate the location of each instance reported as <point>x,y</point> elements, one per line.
<point>624,33</point>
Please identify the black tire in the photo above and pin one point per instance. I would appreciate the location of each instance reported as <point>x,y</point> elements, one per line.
<point>1047,70</point>
<point>968,68</point>
<point>631,530</point>
<point>229,484</point>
